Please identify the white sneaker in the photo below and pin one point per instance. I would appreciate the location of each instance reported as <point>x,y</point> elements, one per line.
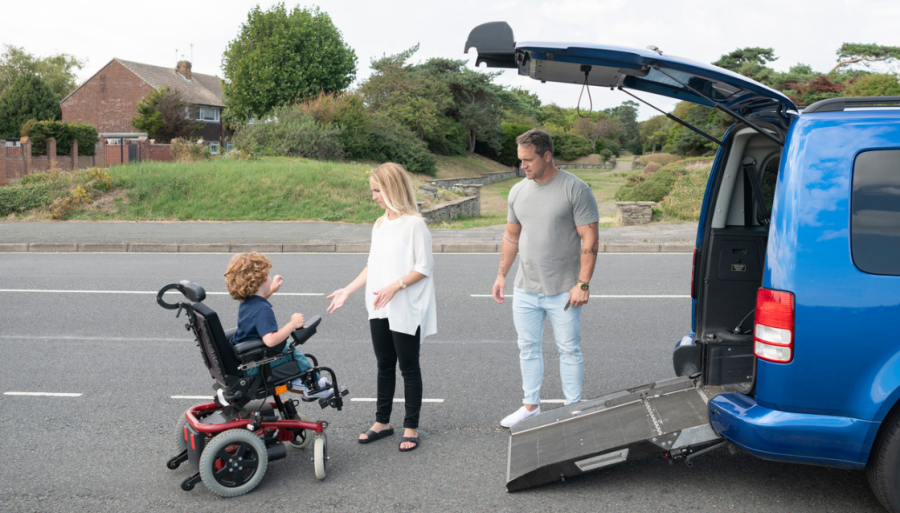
<point>518,416</point>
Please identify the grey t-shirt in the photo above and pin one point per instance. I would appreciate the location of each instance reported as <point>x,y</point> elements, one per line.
<point>549,246</point>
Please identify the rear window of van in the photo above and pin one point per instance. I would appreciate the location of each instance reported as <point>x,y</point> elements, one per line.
<point>875,207</point>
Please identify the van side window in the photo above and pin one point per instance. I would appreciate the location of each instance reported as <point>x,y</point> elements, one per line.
<point>875,210</point>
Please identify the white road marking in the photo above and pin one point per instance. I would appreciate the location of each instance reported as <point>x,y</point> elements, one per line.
<point>61,291</point>
<point>396,400</point>
<point>206,397</point>
<point>43,394</point>
<point>611,296</point>
<point>553,401</point>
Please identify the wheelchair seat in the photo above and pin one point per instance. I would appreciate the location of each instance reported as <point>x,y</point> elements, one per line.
<point>224,360</point>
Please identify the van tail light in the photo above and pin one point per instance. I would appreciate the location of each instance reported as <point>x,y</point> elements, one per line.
<point>773,333</point>
<point>693,271</point>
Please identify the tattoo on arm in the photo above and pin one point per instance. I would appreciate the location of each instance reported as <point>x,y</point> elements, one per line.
<point>589,251</point>
<point>502,266</point>
<point>510,240</point>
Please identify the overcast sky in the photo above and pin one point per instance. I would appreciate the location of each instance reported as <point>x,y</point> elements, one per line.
<point>807,32</point>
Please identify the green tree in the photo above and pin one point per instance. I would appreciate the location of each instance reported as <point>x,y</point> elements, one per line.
<point>282,57</point>
<point>654,133</point>
<point>412,99</point>
<point>735,60</point>
<point>852,53</point>
<point>58,71</point>
<point>29,97</point>
<point>596,129</point>
<point>161,115</point>
<point>625,116</point>
<point>876,84</point>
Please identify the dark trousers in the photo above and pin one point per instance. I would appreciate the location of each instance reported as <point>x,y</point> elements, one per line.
<point>390,348</point>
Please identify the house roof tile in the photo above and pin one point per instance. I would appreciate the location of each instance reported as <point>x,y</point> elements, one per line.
<point>200,90</point>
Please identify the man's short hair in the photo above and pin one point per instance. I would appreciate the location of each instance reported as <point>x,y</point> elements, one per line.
<point>539,139</point>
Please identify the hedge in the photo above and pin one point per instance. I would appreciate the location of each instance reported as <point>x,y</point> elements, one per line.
<point>40,131</point>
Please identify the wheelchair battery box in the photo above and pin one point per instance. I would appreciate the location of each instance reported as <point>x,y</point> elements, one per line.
<point>196,442</point>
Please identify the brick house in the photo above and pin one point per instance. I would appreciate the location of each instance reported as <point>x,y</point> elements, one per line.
<point>108,100</point>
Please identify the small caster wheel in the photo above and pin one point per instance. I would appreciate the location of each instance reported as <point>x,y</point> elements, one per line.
<point>321,455</point>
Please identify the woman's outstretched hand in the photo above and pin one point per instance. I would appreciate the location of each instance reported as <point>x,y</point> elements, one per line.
<point>383,296</point>
<point>337,299</point>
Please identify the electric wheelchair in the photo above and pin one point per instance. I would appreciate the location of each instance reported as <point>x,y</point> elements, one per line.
<point>231,441</point>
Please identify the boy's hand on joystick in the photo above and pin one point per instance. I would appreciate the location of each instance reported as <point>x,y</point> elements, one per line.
<point>297,320</point>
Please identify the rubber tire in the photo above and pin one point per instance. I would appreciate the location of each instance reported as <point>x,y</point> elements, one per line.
<point>320,448</point>
<point>310,434</point>
<point>219,442</point>
<point>883,469</point>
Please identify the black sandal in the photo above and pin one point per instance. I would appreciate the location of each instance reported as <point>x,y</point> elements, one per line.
<point>412,439</point>
<point>375,435</point>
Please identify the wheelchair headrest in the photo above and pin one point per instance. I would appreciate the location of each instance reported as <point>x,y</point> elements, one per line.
<point>193,292</point>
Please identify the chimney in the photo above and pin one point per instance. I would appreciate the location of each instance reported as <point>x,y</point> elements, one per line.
<point>184,69</point>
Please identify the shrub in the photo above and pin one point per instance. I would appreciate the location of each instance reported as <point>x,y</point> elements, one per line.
<point>290,131</point>
<point>663,159</point>
<point>391,141</point>
<point>606,154</point>
<point>651,168</point>
<point>508,154</point>
<point>568,146</point>
<point>348,113</point>
<point>64,133</point>
<point>653,188</point>
<point>62,192</point>
<point>184,150</point>
<point>685,199</point>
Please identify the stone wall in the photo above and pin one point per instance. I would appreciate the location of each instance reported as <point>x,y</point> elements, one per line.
<point>609,164</point>
<point>469,206</point>
<point>449,183</point>
<point>635,212</point>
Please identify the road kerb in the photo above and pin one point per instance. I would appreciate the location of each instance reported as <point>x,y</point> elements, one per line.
<point>676,248</point>
<point>102,247</point>
<point>470,248</point>
<point>352,248</point>
<point>52,247</point>
<point>20,247</point>
<point>264,247</point>
<point>632,248</point>
<point>308,248</point>
<point>204,248</point>
<point>152,247</point>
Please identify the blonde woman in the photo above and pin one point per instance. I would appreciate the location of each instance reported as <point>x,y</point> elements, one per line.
<point>399,299</point>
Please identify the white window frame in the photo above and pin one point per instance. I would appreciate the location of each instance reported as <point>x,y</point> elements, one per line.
<point>216,116</point>
<point>214,147</point>
<point>228,146</point>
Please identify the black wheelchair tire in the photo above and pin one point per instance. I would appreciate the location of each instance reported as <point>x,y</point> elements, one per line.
<point>306,436</point>
<point>180,443</point>
<point>248,446</point>
<point>883,469</point>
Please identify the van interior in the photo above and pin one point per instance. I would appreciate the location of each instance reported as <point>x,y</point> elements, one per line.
<point>729,266</point>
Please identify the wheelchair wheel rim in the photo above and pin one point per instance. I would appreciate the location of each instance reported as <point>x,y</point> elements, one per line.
<point>235,464</point>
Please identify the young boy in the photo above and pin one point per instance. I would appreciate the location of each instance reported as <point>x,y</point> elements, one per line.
<point>248,281</point>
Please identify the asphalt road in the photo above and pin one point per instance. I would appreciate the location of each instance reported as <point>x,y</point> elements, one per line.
<point>106,449</point>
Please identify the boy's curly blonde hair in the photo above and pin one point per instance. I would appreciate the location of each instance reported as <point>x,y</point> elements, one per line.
<point>246,272</point>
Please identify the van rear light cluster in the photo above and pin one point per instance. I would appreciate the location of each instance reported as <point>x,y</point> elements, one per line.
<point>773,334</point>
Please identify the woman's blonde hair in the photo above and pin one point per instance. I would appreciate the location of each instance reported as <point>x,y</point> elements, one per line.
<point>396,190</point>
<point>246,273</point>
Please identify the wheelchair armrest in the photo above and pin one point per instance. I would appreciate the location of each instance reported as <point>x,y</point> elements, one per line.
<point>230,333</point>
<point>256,349</point>
<point>303,334</point>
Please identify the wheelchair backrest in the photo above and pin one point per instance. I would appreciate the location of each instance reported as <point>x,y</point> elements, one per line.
<point>217,350</point>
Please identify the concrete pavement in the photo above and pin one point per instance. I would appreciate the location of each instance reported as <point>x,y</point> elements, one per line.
<point>292,237</point>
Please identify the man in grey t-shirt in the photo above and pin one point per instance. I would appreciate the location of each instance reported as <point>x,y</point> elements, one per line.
<point>552,226</point>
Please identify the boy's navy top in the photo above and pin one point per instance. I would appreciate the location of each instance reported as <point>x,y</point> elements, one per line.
<point>255,319</point>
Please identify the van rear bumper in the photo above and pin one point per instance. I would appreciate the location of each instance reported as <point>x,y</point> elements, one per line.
<point>840,442</point>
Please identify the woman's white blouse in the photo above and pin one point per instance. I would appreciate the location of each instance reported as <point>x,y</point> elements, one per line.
<point>399,247</point>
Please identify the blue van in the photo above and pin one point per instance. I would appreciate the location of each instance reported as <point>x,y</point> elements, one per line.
<point>796,282</point>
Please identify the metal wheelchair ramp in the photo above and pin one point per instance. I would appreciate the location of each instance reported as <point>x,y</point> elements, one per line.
<point>667,417</point>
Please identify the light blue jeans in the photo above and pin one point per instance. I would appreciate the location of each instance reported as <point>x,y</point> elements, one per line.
<point>529,313</point>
